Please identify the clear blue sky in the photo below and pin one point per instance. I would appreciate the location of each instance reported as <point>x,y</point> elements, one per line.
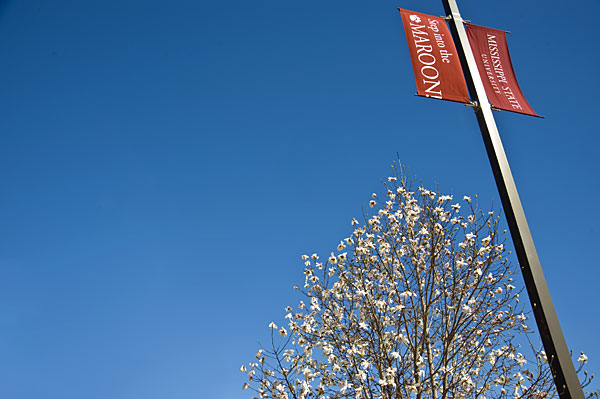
<point>165,164</point>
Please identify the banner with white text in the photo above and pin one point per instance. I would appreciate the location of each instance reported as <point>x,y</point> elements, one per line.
<point>436,65</point>
<point>495,67</point>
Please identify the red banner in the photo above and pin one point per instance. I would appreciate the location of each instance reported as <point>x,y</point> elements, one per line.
<point>493,61</point>
<point>436,65</point>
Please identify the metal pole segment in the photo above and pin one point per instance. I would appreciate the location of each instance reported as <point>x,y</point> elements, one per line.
<point>559,357</point>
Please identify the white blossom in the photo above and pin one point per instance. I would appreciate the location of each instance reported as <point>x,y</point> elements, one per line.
<point>415,307</point>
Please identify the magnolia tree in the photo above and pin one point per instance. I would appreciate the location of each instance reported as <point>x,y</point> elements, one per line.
<point>418,302</point>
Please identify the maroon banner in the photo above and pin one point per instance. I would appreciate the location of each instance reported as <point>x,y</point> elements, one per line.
<point>493,61</point>
<point>436,65</point>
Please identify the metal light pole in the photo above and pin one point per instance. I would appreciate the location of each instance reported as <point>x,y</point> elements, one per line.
<point>565,377</point>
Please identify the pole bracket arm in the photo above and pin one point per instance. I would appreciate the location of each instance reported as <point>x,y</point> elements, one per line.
<point>474,104</point>
<point>456,18</point>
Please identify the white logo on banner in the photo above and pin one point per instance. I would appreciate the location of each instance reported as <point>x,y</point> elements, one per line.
<point>415,18</point>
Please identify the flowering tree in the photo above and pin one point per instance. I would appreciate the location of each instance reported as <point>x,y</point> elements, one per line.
<point>418,302</point>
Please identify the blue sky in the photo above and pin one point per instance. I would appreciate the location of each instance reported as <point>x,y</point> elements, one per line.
<point>164,166</point>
